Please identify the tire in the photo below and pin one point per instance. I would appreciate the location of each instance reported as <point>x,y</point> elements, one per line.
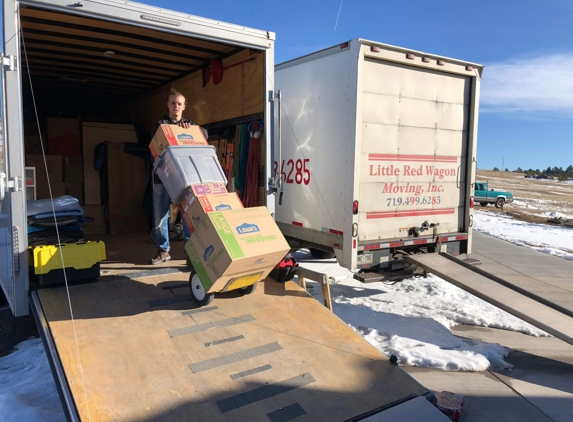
<point>499,202</point>
<point>483,204</point>
<point>249,289</point>
<point>319,254</point>
<point>198,291</point>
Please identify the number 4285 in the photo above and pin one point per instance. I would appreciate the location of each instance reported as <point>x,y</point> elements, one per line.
<point>296,171</point>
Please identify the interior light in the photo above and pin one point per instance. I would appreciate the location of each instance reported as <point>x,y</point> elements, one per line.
<point>109,53</point>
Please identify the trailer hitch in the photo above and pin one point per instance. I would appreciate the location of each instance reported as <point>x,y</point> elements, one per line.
<point>415,231</point>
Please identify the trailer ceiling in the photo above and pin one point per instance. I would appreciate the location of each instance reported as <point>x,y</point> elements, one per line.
<point>71,55</point>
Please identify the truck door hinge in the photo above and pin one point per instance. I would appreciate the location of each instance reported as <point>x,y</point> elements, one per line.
<point>11,62</point>
<point>14,184</point>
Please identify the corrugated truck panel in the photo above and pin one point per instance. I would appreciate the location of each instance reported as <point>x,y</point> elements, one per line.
<point>413,150</point>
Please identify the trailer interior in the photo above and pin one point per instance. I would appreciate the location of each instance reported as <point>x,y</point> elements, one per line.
<point>101,75</point>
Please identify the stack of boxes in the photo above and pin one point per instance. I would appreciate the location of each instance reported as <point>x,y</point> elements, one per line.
<point>231,247</point>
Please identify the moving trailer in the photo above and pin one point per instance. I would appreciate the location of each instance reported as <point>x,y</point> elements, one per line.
<point>378,148</point>
<point>114,62</point>
<point>135,349</point>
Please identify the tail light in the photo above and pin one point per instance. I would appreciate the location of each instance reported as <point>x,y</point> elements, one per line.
<point>471,201</point>
<point>355,207</point>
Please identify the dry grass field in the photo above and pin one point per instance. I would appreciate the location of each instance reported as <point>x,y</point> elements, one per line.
<point>534,199</point>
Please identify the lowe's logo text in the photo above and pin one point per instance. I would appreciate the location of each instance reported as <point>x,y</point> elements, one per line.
<point>247,228</point>
<point>223,207</point>
<point>185,137</point>
<point>208,252</point>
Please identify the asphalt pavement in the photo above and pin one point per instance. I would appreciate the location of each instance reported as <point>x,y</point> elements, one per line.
<point>540,385</point>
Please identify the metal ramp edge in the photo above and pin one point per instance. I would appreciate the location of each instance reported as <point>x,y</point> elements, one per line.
<point>525,305</point>
<point>60,379</point>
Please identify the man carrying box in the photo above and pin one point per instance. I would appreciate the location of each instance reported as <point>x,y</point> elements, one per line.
<point>161,201</point>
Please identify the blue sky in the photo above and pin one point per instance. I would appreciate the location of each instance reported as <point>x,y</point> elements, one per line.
<point>526,110</point>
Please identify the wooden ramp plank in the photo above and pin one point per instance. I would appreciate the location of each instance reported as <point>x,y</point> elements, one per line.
<point>511,301</point>
<point>133,369</point>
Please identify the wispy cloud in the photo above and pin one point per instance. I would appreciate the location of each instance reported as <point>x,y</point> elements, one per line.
<point>539,84</point>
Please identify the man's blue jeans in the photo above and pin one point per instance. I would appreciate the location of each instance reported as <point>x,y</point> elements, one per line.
<point>161,208</point>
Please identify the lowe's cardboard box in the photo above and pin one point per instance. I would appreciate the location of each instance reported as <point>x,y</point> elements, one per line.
<point>203,204</point>
<point>234,249</point>
<point>173,135</point>
<point>200,189</point>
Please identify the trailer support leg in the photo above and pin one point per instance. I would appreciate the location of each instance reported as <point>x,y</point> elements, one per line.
<point>304,273</point>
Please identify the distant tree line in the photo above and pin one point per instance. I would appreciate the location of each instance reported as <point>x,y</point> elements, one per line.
<point>554,172</point>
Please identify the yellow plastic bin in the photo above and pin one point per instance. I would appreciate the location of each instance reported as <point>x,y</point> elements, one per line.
<point>82,262</point>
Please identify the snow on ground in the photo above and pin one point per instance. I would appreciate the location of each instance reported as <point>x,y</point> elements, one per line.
<point>553,240</point>
<point>27,389</point>
<point>411,320</point>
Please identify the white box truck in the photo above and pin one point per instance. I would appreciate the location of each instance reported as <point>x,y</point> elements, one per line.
<point>377,155</point>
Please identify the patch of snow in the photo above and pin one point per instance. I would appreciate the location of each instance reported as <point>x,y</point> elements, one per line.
<point>553,240</point>
<point>27,389</point>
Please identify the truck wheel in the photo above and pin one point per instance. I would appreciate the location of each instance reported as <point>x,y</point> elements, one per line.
<point>499,202</point>
<point>200,297</point>
<point>317,253</point>
<point>249,289</point>
<point>483,204</point>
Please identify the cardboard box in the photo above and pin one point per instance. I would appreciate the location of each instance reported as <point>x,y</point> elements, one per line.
<point>73,169</point>
<point>234,249</point>
<point>173,135</point>
<point>127,179</point>
<point>203,204</point>
<point>64,137</point>
<point>54,163</point>
<point>33,144</point>
<point>99,225</point>
<point>76,190</point>
<point>43,192</point>
<point>201,189</point>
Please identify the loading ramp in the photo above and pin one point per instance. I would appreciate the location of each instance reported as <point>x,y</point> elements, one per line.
<point>541,312</point>
<point>148,354</point>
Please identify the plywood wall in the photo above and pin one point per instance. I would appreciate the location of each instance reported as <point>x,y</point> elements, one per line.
<point>241,92</point>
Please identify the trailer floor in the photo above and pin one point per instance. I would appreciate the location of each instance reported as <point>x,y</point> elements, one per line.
<point>147,353</point>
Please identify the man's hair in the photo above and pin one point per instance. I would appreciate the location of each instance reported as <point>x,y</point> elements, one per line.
<point>173,92</point>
